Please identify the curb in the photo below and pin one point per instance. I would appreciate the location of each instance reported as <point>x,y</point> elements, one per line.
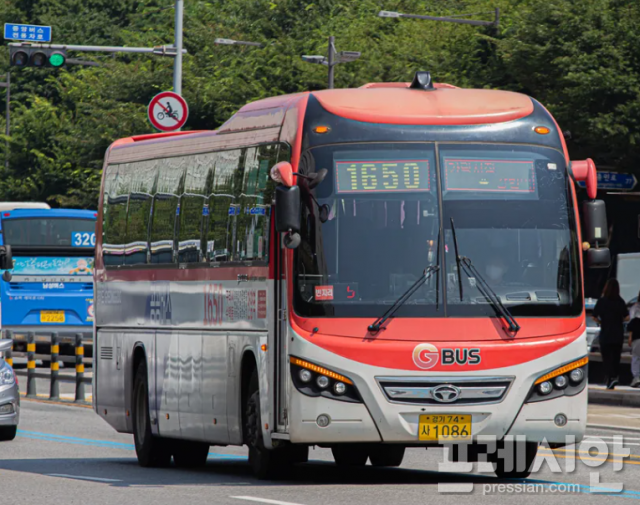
<point>613,427</point>
<point>618,398</point>
<point>69,403</point>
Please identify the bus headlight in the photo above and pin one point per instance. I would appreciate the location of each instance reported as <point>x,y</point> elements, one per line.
<point>567,380</point>
<point>313,380</point>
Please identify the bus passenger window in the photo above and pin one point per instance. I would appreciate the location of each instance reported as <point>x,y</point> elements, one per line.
<point>166,210</point>
<point>223,207</point>
<point>114,226</point>
<point>144,178</point>
<point>193,208</point>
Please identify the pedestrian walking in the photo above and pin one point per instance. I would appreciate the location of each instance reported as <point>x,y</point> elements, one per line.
<point>634,342</point>
<point>610,313</point>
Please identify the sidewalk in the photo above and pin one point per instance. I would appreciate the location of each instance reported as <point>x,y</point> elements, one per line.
<point>623,396</point>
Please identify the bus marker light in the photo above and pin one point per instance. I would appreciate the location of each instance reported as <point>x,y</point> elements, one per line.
<point>323,420</point>
<point>542,130</point>
<point>322,129</point>
<point>318,369</point>
<point>264,347</point>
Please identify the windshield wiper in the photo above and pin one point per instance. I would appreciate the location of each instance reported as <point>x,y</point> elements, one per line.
<point>429,271</point>
<point>482,285</point>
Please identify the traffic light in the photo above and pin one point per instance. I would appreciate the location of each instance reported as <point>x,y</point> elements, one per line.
<point>39,58</point>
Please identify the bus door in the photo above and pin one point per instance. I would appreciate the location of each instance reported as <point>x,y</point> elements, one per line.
<point>281,366</point>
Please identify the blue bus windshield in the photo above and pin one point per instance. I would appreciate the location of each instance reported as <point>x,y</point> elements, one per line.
<point>44,232</point>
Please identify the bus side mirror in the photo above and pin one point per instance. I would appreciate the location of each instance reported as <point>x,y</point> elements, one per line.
<point>288,214</point>
<point>594,215</point>
<point>585,171</point>
<point>6,258</point>
<point>599,258</point>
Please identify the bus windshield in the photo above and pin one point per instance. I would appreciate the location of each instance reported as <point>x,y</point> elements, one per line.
<point>39,232</point>
<point>391,206</point>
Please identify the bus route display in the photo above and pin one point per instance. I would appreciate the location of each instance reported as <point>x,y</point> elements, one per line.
<point>497,176</point>
<point>382,176</point>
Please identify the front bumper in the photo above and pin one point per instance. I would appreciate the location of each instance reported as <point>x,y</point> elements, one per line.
<point>378,419</point>
<point>10,395</point>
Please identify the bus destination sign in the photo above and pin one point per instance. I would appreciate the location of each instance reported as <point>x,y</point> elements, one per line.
<point>382,176</point>
<point>497,176</point>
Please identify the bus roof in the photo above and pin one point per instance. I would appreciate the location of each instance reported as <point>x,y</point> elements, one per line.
<point>52,213</point>
<point>23,205</point>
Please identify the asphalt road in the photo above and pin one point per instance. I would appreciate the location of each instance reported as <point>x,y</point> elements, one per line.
<point>68,455</point>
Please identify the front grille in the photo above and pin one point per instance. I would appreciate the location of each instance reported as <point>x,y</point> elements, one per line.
<point>106,353</point>
<point>424,390</point>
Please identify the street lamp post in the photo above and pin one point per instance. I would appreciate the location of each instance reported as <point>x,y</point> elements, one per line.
<point>231,42</point>
<point>447,19</point>
<point>334,57</point>
<point>177,62</point>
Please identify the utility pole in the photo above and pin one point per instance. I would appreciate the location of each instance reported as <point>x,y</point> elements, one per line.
<point>7,128</point>
<point>332,59</point>
<point>177,63</point>
<point>332,50</point>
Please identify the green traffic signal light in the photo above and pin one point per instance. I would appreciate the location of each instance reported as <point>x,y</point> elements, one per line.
<point>56,59</point>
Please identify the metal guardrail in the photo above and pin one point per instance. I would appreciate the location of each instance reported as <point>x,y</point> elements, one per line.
<point>54,368</point>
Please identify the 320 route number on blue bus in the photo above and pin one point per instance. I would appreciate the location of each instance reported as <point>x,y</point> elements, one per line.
<point>83,239</point>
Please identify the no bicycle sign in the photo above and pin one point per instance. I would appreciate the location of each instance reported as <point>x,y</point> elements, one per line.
<point>168,111</point>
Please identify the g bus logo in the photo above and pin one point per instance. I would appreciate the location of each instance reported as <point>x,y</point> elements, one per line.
<point>425,356</point>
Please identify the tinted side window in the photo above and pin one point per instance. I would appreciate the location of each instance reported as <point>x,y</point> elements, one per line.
<point>144,176</point>
<point>223,206</point>
<point>114,225</point>
<point>255,203</point>
<point>194,208</point>
<point>166,210</point>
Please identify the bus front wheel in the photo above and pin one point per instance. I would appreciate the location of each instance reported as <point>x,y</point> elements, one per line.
<point>350,454</point>
<point>386,455</point>
<point>151,451</point>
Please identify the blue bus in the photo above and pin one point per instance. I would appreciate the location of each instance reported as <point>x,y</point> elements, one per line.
<point>50,287</point>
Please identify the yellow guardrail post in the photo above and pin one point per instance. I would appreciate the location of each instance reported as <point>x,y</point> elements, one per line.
<point>54,388</point>
<point>79,369</point>
<point>9,355</point>
<point>31,365</point>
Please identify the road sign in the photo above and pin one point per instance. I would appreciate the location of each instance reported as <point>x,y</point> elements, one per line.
<point>168,111</point>
<point>30,33</point>
<point>614,180</point>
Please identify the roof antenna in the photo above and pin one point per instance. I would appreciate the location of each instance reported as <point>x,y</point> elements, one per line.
<point>422,80</point>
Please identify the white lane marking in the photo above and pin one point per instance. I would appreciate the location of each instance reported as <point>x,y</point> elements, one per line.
<point>263,500</point>
<point>607,436</point>
<point>81,477</point>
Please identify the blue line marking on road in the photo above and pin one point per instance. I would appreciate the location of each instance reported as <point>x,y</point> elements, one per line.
<point>51,437</point>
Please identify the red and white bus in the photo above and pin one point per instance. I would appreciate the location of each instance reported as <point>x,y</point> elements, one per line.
<point>367,270</point>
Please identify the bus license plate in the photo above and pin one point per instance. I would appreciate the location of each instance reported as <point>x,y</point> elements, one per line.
<point>52,316</point>
<point>445,427</point>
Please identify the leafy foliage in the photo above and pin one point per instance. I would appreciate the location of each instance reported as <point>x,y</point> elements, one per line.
<point>580,59</point>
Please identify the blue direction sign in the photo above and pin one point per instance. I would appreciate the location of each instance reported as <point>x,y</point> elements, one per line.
<point>30,33</point>
<point>614,180</point>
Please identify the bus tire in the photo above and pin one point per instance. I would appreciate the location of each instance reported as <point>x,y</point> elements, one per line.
<point>267,463</point>
<point>8,433</point>
<point>188,454</point>
<point>386,455</point>
<point>151,451</point>
<point>500,465</point>
<point>350,454</point>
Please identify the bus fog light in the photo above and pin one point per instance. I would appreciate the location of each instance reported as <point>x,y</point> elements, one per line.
<point>305,375</point>
<point>576,375</point>
<point>560,420</point>
<point>340,388</point>
<point>6,409</point>
<point>322,381</point>
<point>323,420</point>
<point>561,381</point>
<point>545,388</point>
